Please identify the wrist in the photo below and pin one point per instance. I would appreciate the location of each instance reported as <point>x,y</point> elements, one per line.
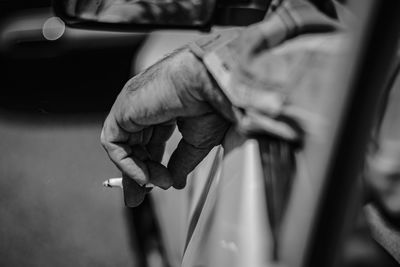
<point>192,80</point>
<point>210,90</point>
<point>190,73</point>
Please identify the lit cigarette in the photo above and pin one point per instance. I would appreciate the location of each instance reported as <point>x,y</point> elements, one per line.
<point>117,182</point>
<point>113,182</point>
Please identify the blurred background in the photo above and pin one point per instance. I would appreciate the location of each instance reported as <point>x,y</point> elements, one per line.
<point>56,88</point>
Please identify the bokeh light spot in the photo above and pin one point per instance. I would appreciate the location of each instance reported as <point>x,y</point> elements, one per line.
<point>53,28</point>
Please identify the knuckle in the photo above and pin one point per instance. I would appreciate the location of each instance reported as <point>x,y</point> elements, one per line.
<point>103,139</point>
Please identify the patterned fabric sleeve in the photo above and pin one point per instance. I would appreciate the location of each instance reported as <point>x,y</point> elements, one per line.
<point>253,78</point>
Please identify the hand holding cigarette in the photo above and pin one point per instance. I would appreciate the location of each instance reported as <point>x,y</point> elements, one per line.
<point>175,91</point>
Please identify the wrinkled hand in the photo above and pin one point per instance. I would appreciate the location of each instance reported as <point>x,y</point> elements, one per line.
<point>175,91</point>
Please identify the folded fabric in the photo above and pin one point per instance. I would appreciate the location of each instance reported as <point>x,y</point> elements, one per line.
<point>269,75</point>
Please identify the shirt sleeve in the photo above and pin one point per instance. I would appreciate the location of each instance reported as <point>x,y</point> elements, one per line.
<point>255,78</point>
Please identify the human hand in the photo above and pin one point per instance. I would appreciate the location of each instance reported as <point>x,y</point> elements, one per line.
<point>174,91</point>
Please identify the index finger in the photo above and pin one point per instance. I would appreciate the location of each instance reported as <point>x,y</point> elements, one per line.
<point>115,141</point>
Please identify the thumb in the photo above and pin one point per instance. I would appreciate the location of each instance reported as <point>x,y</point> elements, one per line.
<point>133,193</point>
<point>183,160</point>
